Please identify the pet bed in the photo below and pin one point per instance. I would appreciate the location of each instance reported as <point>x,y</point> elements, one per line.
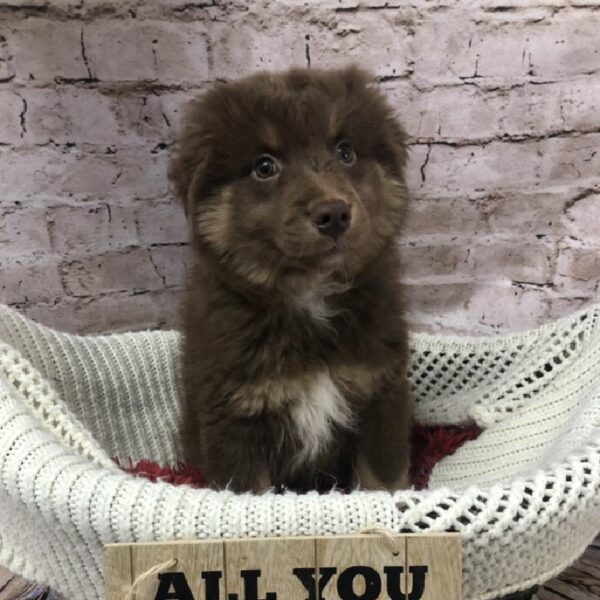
<point>524,494</point>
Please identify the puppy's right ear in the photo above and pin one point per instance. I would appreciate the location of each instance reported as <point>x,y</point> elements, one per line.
<point>189,163</point>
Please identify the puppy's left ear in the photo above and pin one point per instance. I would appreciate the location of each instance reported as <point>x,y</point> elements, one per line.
<point>188,165</point>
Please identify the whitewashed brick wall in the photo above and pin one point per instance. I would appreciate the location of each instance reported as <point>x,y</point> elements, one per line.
<point>501,99</point>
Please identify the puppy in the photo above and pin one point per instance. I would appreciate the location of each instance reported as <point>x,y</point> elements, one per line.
<point>295,349</point>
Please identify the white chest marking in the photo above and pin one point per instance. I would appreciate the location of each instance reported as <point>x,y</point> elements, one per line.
<point>321,406</point>
<point>316,302</point>
<point>318,309</point>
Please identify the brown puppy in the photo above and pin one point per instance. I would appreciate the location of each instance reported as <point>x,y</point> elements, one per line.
<point>294,345</point>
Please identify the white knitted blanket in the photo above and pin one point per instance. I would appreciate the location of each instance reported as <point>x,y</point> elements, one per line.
<point>524,495</point>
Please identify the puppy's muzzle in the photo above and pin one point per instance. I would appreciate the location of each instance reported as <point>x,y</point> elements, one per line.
<point>332,218</point>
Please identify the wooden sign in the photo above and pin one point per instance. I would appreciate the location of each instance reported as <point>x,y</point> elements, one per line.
<point>355,567</point>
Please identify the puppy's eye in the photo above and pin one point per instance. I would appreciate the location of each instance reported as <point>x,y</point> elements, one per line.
<point>265,167</point>
<point>345,153</point>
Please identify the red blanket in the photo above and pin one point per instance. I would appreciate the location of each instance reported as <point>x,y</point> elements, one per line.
<point>429,445</point>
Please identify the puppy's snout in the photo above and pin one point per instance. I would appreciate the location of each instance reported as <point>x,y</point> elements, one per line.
<point>331,218</point>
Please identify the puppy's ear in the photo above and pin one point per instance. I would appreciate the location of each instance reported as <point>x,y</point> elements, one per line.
<point>363,88</point>
<point>194,148</point>
<point>356,79</point>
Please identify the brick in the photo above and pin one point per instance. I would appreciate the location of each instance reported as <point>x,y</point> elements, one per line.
<point>383,32</point>
<point>91,228</point>
<point>23,231</point>
<point>444,218</point>
<point>432,114</point>
<point>29,279</point>
<point>25,5</point>
<point>11,129</point>
<point>173,107</point>
<point>389,5</point>
<point>440,308</point>
<point>122,8</point>
<point>544,108</point>
<point>7,69</point>
<point>458,44</point>
<point>72,5</point>
<point>70,171</point>
<point>90,116</point>
<point>530,110</point>
<point>136,50</point>
<point>463,262</point>
<point>44,50</point>
<point>432,264</point>
<point>113,271</point>
<point>502,16</point>
<point>243,44</point>
<point>185,11</point>
<point>511,261</point>
<point>81,9</point>
<point>71,115</point>
<point>110,313</point>
<point>467,49</point>
<point>518,4</point>
<point>443,299</point>
<point>561,305</point>
<point>578,268</point>
<point>418,156</point>
<point>563,49</point>
<point>110,225</point>
<point>291,34</point>
<point>476,309</point>
<point>184,3</point>
<point>541,215</point>
<point>506,307</point>
<point>161,223</point>
<point>501,165</point>
<point>171,263</point>
<point>578,101</point>
<point>342,5</point>
<point>582,214</point>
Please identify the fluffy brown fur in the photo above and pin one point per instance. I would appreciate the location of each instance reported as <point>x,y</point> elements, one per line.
<point>295,349</point>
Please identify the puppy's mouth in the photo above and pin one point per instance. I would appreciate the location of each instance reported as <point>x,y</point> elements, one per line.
<point>336,252</point>
<point>330,256</point>
<point>327,254</point>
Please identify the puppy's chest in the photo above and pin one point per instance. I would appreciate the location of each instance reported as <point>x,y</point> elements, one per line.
<point>313,414</point>
<point>324,393</point>
<point>310,407</point>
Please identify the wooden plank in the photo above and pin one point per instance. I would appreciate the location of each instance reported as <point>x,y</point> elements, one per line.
<point>117,570</point>
<point>566,590</point>
<point>586,569</point>
<point>358,564</point>
<point>193,560</point>
<point>268,566</point>
<point>441,557</point>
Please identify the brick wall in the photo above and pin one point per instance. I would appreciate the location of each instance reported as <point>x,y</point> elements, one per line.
<point>501,99</point>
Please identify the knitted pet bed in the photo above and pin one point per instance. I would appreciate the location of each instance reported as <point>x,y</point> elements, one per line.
<point>524,494</point>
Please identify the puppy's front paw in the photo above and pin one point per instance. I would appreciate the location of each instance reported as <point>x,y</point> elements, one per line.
<point>262,483</point>
<point>367,479</point>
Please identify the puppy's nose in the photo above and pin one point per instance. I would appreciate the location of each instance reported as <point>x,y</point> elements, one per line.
<point>331,218</point>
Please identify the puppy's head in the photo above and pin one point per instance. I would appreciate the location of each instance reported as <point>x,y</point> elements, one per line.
<point>290,179</point>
